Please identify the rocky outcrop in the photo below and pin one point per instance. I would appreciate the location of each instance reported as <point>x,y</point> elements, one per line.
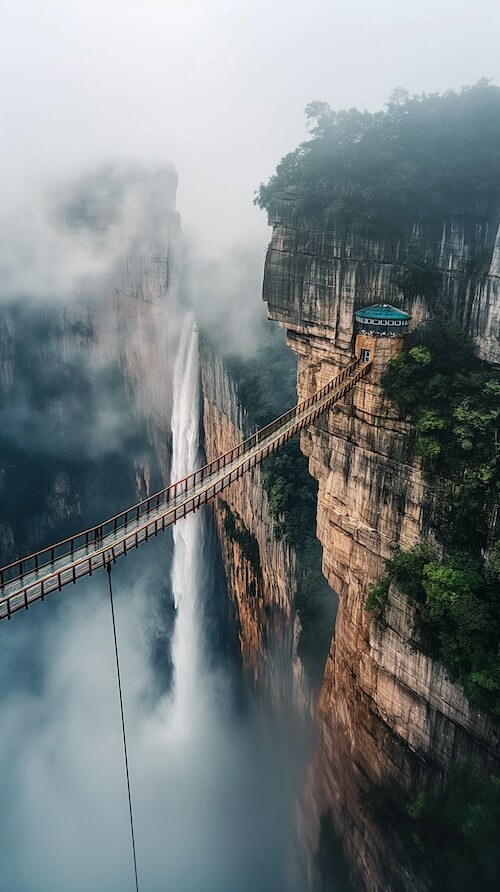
<point>318,268</point>
<point>260,568</point>
<point>85,389</point>
<point>386,713</point>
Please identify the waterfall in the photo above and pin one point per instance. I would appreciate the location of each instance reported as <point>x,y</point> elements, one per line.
<point>189,536</point>
<point>212,799</point>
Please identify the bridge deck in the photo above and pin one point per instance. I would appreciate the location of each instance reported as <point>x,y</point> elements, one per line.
<point>33,577</point>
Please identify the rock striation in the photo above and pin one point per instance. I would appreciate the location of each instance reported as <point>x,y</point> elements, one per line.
<point>386,712</point>
<point>318,268</point>
<point>260,568</point>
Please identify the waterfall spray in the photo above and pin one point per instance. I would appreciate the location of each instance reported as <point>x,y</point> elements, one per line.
<point>189,536</point>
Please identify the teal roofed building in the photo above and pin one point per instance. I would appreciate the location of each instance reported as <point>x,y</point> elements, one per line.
<point>382,320</point>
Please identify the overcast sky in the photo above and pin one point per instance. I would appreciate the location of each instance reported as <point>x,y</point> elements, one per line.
<point>216,86</point>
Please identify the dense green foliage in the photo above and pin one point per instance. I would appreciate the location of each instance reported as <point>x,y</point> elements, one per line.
<point>418,276</point>
<point>292,496</point>
<point>378,593</point>
<point>453,403</point>
<point>426,157</point>
<point>435,152</point>
<point>457,604</point>
<point>237,531</point>
<point>288,484</point>
<point>453,835</point>
<point>266,378</point>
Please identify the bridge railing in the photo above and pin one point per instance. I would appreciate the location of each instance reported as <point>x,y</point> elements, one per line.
<point>169,496</point>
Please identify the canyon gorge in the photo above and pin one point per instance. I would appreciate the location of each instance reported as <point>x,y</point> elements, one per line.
<point>92,371</point>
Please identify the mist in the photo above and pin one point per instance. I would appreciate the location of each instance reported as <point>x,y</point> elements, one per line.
<point>213,796</point>
<point>212,806</point>
<point>59,242</point>
<point>96,92</point>
<point>217,87</point>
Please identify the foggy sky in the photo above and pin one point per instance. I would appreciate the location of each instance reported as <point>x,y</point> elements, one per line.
<point>218,87</point>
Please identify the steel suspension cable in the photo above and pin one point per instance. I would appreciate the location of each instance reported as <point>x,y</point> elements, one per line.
<point>124,736</point>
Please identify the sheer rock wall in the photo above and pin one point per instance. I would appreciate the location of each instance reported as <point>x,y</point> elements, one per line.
<point>260,568</point>
<point>318,268</point>
<point>385,711</point>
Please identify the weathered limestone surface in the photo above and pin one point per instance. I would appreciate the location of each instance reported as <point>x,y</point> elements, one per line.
<point>485,309</point>
<point>262,589</point>
<point>386,712</point>
<point>318,268</point>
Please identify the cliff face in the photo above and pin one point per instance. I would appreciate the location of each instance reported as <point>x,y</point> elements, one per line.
<point>386,713</point>
<point>260,569</point>
<point>317,267</point>
<point>84,384</point>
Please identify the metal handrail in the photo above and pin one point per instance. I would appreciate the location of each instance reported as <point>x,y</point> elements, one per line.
<point>88,562</point>
<point>94,535</point>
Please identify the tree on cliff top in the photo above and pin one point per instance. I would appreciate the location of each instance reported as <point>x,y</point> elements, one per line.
<point>427,154</point>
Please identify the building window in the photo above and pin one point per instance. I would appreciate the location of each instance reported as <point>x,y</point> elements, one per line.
<point>365,355</point>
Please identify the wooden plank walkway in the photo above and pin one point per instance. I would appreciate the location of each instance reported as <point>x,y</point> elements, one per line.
<point>33,577</point>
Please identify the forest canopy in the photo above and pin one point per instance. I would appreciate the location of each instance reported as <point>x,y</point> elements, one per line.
<point>438,152</point>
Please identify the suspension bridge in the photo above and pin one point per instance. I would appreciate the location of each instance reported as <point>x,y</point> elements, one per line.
<point>31,578</point>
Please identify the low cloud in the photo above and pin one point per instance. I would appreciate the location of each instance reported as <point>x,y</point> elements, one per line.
<point>58,243</point>
<point>226,297</point>
<point>84,335</point>
<point>212,809</point>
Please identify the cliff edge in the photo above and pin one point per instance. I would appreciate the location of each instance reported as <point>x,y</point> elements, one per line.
<point>387,713</point>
